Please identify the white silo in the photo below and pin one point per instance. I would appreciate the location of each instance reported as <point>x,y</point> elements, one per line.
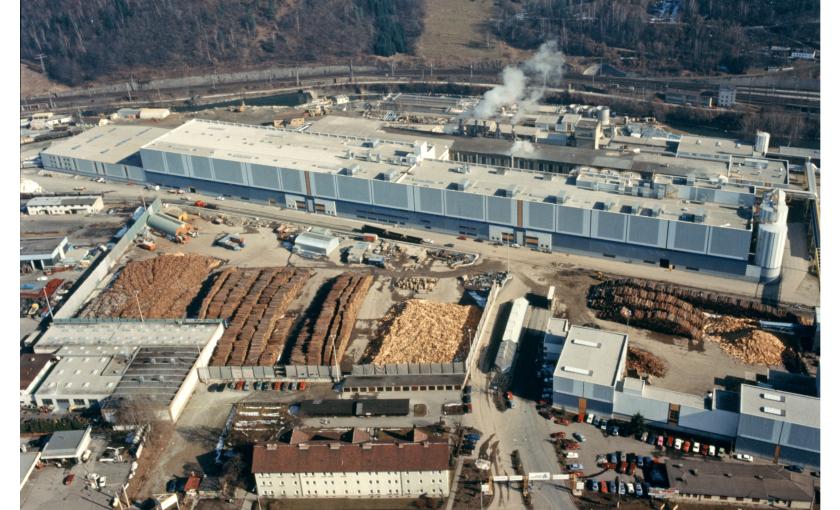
<point>762,142</point>
<point>604,116</point>
<point>772,233</point>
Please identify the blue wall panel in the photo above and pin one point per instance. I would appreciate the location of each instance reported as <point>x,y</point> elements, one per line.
<point>264,176</point>
<point>353,189</point>
<point>464,205</point>
<point>323,184</point>
<point>200,167</point>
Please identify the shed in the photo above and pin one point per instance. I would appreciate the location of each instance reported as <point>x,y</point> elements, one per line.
<point>168,225</point>
<point>311,243</point>
<point>66,444</point>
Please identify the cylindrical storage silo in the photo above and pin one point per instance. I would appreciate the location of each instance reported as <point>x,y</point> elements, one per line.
<point>762,142</point>
<point>770,249</point>
<point>167,225</point>
<point>604,116</point>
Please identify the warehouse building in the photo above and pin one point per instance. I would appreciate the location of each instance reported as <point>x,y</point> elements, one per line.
<point>590,364</point>
<point>66,445</point>
<point>110,363</point>
<point>350,464</point>
<point>315,244</point>
<point>640,217</point>
<point>42,253</point>
<point>90,204</point>
<point>779,425</point>
<point>33,369</point>
<point>506,355</point>
<point>743,485</point>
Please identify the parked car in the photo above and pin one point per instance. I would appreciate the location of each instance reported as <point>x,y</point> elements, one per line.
<point>621,488</point>
<point>631,468</point>
<point>670,441</point>
<point>711,450</point>
<point>630,489</point>
<point>580,437</point>
<point>558,435</point>
<point>614,430</point>
<point>572,455</point>
<point>600,459</point>
<point>593,485</point>
<point>589,418</point>
<point>473,436</point>
<point>644,437</point>
<point>795,468</point>
<point>467,389</point>
<point>686,447</point>
<point>246,386</point>
<point>639,491</point>
<point>611,486</point>
<point>652,439</point>
<point>622,468</point>
<point>678,443</point>
<point>302,385</point>
<point>231,385</point>
<point>467,398</point>
<point>69,479</point>
<point>640,461</point>
<point>604,426</point>
<point>660,440</point>
<point>744,457</point>
<point>575,467</point>
<point>696,447</point>
<point>604,487</point>
<point>721,452</point>
<point>275,385</point>
<point>611,458</point>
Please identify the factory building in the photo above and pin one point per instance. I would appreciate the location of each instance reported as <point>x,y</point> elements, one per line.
<point>33,369</point>
<point>105,363</point>
<point>779,425</point>
<point>316,244</point>
<point>64,205</point>
<point>662,210</point>
<point>350,464</point>
<point>590,364</point>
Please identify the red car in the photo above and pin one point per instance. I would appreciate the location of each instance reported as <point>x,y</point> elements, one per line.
<point>631,468</point>
<point>69,479</point>
<point>670,441</point>
<point>302,385</point>
<point>622,468</point>
<point>686,446</point>
<point>604,489</point>
<point>509,395</point>
<point>561,435</point>
<point>704,449</point>
<point>462,238</point>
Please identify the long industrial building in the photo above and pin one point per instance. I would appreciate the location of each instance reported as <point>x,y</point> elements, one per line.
<point>593,202</point>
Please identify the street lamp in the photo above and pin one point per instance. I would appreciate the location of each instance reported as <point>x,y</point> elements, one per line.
<point>137,300</point>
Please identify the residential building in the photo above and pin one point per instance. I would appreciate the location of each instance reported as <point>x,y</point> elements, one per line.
<point>726,96</point>
<point>351,465</point>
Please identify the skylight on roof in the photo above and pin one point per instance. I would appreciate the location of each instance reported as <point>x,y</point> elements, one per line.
<point>772,410</point>
<point>576,370</point>
<point>586,343</point>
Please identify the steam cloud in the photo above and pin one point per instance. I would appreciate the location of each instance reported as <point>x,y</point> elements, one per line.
<point>522,147</point>
<point>525,85</point>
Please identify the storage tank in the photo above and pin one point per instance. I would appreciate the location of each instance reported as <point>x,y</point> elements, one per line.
<point>154,113</point>
<point>762,142</point>
<point>168,225</point>
<point>604,116</point>
<point>772,233</point>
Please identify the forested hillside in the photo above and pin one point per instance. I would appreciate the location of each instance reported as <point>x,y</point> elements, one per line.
<point>695,35</point>
<point>87,39</point>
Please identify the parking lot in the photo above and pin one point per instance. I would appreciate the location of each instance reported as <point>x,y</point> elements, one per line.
<point>46,487</point>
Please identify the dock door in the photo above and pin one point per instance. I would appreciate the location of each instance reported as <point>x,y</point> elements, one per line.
<point>581,409</point>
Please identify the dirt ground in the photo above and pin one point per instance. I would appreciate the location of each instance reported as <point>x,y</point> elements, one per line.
<point>34,83</point>
<point>456,30</point>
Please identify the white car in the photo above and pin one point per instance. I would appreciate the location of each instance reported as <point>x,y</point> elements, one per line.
<point>220,197</point>
<point>696,448</point>
<point>630,489</point>
<point>721,452</point>
<point>589,418</point>
<point>678,444</point>
<point>744,457</point>
<point>712,450</point>
<point>575,467</point>
<point>572,455</point>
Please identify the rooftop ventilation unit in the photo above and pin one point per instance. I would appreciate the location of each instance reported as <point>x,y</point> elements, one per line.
<point>586,343</point>
<point>351,170</point>
<point>388,175</point>
<point>575,370</point>
<point>463,169</point>
<point>461,185</point>
<point>772,410</point>
<point>561,197</point>
<point>773,397</point>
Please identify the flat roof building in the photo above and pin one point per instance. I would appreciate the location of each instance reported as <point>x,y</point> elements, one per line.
<point>33,370</point>
<point>28,461</point>
<point>591,363</point>
<point>66,444</point>
<point>509,345</point>
<point>315,244</point>
<point>42,253</point>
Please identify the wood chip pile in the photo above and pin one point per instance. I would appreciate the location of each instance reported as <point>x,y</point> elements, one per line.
<point>422,331</point>
<point>644,362</point>
<point>254,300</point>
<point>741,339</point>
<point>165,287</point>
<point>333,324</point>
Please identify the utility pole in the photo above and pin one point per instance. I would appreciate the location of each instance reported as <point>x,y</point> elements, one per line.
<point>471,73</point>
<point>41,58</point>
<point>128,88</point>
<point>297,77</point>
<point>351,70</point>
<point>47,299</point>
<point>139,309</point>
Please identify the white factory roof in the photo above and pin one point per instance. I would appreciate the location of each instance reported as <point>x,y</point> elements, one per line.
<point>592,355</point>
<point>108,144</point>
<point>65,444</point>
<point>780,406</point>
<point>127,333</point>
<point>84,376</point>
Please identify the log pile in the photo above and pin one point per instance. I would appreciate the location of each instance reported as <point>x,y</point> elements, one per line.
<point>254,302</point>
<point>741,339</point>
<point>332,327</point>
<point>163,287</point>
<point>654,310</point>
<point>422,331</point>
<point>714,302</point>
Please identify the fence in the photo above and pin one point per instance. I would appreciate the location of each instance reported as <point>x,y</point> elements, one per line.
<point>99,270</point>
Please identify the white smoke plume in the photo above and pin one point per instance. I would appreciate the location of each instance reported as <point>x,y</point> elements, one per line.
<point>525,85</point>
<point>522,147</point>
